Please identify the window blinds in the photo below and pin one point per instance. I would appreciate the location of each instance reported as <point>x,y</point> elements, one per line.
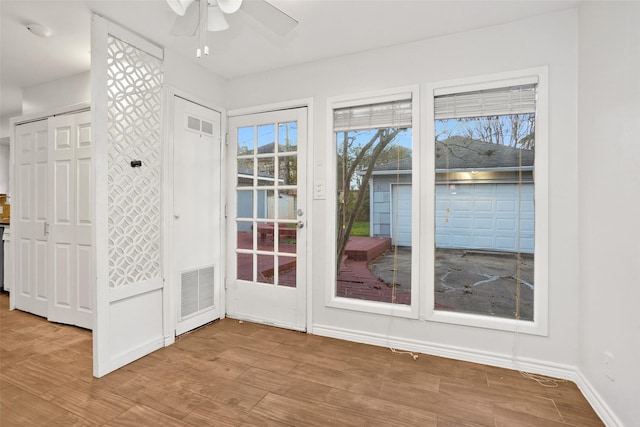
<point>492,102</point>
<point>373,116</point>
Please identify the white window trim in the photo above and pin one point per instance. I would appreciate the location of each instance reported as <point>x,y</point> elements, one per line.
<point>427,202</point>
<point>331,299</point>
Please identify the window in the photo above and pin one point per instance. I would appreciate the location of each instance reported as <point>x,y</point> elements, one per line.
<point>374,236</point>
<point>487,206</point>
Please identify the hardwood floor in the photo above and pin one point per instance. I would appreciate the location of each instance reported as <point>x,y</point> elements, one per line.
<point>242,374</point>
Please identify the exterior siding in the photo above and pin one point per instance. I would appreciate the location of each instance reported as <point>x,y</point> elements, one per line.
<point>381,202</point>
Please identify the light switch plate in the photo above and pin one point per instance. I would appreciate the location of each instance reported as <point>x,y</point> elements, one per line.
<point>319,191</point>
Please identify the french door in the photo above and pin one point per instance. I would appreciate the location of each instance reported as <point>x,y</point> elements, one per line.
<point>267,218</point>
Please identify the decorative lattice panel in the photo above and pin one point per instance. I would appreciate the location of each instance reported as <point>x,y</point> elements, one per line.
<point>134,103</point>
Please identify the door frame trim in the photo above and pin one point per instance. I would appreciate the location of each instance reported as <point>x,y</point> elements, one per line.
<point>314,173</point>
<point>169,302</point>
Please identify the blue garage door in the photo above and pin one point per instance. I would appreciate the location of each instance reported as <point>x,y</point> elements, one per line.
<point>485,216</point>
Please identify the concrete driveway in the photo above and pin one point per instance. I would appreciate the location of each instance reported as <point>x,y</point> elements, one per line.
<point>466,281</point>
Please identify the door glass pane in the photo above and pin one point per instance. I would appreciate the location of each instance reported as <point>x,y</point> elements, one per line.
<point>288,170</point>
<point>245,235</point>
<point>245,204</point>
<point>287,271</point>
<point>266,232</point>
<point>245,266</point>
<point>287,237</point>
<point>484,215</point>
<point>287,137</point>
<point>246,142</point>
<point>266,139</point>
<point>265,202</point>
<point>245,172</point>
<point>266,171</point>
<point>286,204</point>
<point>266,269</point>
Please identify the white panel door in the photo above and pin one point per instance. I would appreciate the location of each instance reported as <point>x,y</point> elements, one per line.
<point>29,218</point>
<point>197,214</point>
<point>70,262</point>
<point>401,214</point>
<point>267,206</point>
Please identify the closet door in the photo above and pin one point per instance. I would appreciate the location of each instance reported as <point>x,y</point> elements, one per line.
<point>70,199</point>
<point>29,227</point>
<point>197,219</point>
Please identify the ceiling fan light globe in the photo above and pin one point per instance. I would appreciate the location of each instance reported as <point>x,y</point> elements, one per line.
<point>40,30</point>
<point>215,19</point>
<point>229,6</point>
<point>180,6</point>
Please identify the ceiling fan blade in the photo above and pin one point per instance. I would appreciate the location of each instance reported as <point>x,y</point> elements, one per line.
<point>270,16</point>
<point>187,25</point>
<point>179,6</point>
<point>229,6</point>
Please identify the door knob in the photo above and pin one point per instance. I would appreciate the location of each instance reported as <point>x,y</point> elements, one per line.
<point>300,224</point>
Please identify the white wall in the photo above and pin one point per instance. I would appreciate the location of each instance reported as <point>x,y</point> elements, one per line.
<point>187,76</point>
<point>4,168</point>
<point>57,93</point>
<point>178,72</point>
<point>4,126</point>
<point>546,40</point>
<point>10,96</point>
<point>609,202</point>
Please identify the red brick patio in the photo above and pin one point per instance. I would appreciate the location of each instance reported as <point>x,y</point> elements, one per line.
<point>355,280</point>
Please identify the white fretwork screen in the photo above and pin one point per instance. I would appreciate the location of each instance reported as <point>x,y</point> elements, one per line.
<point>134,202</point>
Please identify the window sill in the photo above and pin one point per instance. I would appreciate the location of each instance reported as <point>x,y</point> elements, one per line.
<point>374,307</point>
<point>489,322</point>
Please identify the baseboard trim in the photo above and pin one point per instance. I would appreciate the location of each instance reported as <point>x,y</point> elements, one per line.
<point>556,370</point>
<point>603,410</point>
<point>535,366</point>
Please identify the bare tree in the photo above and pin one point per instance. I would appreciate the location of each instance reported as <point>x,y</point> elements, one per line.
<point>513,130</point>
<point>364,158</point>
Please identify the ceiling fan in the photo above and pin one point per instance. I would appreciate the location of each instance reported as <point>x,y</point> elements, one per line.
<point>211,14</point>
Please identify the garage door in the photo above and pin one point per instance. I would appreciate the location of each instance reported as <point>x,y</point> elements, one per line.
<point>485,216</point>
<point>401,207</point>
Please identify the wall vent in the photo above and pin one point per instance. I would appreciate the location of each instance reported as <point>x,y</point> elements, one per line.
<point>193,123</point>
<point>199,125</point>
<point>196,291</point>
<point>207,127</point>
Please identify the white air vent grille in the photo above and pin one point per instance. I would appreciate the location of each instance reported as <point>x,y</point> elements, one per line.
<point>193,123</point>
<point>207,127</point>
<point>196,291</point>
<point>198,125</point>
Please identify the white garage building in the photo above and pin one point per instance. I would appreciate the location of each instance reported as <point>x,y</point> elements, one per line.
<point>489,206</point>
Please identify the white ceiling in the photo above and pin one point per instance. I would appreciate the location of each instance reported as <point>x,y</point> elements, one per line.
<point>327,28</point>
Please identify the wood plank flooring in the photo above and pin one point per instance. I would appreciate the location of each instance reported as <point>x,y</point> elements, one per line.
<point>242,374</point>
